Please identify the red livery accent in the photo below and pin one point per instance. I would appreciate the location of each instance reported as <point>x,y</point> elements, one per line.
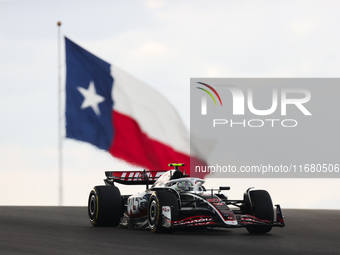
<point>136,175</point>
<point>249,219</point>
<point>195,220</point>
<point>223,209</point>
<point>211,200</point>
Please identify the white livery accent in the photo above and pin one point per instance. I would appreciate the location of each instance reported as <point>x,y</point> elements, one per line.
<point>166,216</point>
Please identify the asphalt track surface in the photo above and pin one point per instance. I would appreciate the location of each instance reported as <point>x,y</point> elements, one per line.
<point>66,230</point>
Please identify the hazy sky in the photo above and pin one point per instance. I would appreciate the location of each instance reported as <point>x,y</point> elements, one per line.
<point>162,43</point>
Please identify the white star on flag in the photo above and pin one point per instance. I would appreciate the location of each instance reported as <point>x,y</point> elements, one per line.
<point>91,98</point>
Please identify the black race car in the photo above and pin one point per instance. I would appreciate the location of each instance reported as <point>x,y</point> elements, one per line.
<point>173,200</point>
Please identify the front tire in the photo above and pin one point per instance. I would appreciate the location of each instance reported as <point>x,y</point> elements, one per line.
<point>156,201</point>
<point>105,208</point>
<point>262,208</point>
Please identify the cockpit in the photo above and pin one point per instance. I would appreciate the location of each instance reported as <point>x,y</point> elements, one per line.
<point>175,179</point>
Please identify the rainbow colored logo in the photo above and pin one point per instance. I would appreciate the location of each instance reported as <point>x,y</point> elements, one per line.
<point>213,90</point>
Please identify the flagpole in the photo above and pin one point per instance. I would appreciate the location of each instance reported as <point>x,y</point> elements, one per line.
<point>60,165</point>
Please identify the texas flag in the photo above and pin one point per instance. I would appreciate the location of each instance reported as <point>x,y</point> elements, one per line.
<point>116,112</point>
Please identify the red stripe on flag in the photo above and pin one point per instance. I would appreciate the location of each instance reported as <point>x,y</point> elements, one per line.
<point>137,148</point>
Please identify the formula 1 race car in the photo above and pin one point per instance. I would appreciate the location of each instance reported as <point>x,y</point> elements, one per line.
<point>175,201</point>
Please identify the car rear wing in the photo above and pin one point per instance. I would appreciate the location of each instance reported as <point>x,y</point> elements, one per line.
<point>133,177</point>
<point>137,177</point>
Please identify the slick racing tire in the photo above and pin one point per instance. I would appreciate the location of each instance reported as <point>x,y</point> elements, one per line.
<point>262,208</point>
<point>105,208</point>
<point>156,201</point>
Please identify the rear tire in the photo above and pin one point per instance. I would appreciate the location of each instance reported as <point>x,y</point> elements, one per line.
<point>156,201</point>
<point>262,208</point>
<point>105,208</point>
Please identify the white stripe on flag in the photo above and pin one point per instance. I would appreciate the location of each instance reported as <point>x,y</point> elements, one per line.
<point>154,114</point>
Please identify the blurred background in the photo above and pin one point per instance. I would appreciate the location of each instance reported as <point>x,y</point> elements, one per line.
<point>164,44</point>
